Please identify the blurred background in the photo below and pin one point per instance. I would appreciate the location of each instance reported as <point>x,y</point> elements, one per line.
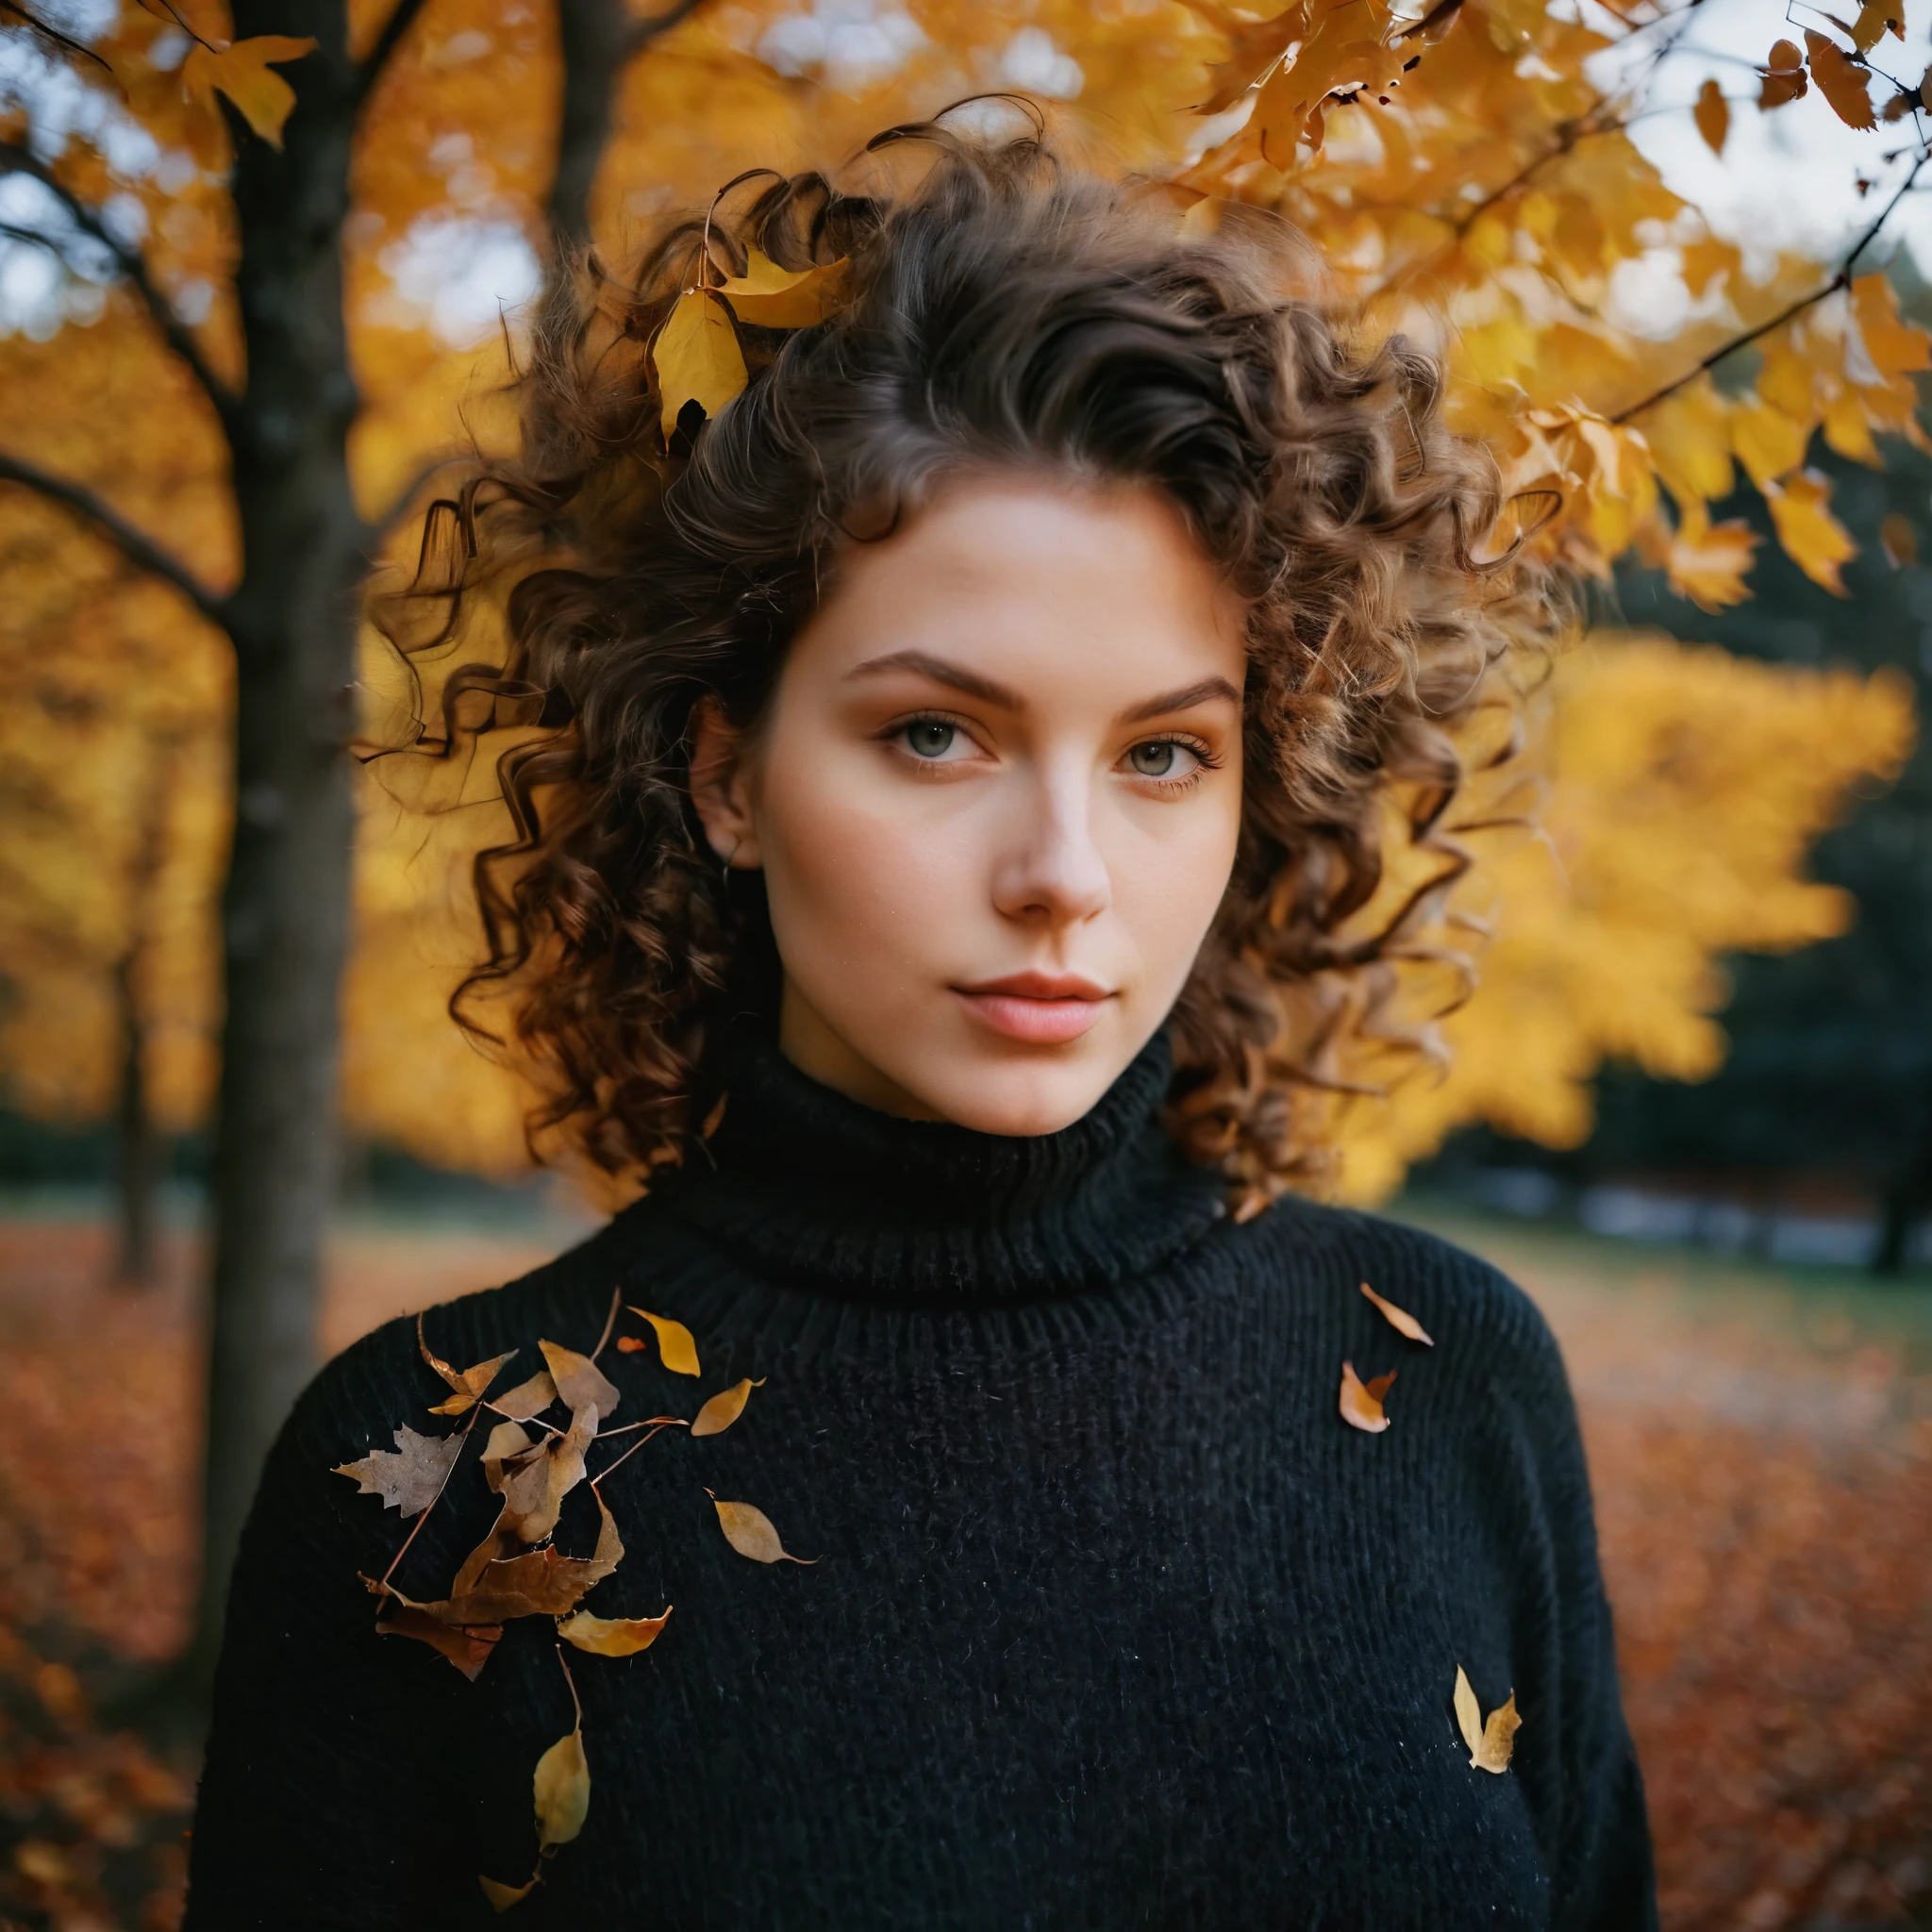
<point>262,276</point>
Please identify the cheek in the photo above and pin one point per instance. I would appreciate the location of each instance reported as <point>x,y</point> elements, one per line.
<point>858,877</point>
<point>1170,875</point>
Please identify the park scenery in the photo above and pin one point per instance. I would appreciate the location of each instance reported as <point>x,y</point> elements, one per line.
<point>265,271</point>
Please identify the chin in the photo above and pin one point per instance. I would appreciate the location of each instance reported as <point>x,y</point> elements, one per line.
<point>1020,1102</point>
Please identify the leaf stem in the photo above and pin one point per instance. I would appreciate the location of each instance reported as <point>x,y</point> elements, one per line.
<point>575,1704</point>
<point>668,1422</point>
<point>610,1323</point>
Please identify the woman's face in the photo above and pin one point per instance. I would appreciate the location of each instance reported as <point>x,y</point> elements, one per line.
<point>995,799</point>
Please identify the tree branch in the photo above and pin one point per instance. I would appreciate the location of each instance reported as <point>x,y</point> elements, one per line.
<point>394,29</point>
<point>644,31</point>
<point>137,546</point>
<point>1842,279</point>
<point>16,158</point>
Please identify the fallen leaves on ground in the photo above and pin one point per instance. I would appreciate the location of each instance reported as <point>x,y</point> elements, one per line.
<point>1768,1576</point>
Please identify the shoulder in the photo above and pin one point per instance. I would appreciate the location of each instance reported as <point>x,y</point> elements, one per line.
<point>1469,1306</point>
<point>358,1396</point>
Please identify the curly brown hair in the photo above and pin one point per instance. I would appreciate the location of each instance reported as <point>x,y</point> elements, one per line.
<point>1000,310</point>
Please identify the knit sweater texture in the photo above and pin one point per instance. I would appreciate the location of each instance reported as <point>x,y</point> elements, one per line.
<point>1113,1621</point>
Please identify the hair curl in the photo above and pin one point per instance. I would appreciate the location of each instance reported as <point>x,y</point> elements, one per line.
<point>1003,310</point>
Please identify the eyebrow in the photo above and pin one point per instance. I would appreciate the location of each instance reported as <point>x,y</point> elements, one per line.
<point>942,671</point>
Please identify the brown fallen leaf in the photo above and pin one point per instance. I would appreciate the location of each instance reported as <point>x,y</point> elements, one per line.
<point>540,1583</point>
<point>563,1788</point>
<point>1491,1744</point>
<point>674,1342</point>
<point>468,1649</point>
<point>410,1477</point>
<point>533,1494</point>
<point>750,1533</point>
<point>469,1384</point>
<point>1398,1319</point>
<point>613,1635</point>
<point>579,1381</point>
<point>1362,1404</point>
<point>725,1408</point>
<point>504,1896</point>
<point>507,1442</point>
<point>528,1398</point>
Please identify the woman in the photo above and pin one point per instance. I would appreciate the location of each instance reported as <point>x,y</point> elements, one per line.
<point>952,775</point>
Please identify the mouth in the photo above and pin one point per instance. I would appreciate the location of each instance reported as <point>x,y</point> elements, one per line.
<point>1043,1009</point>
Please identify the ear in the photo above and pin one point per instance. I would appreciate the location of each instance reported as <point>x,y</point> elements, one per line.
<point>721,787</point>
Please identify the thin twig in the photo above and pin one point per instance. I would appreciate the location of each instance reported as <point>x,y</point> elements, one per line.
<point>645,31</point>
<point>370,68</point>
<point>648,1423</point>
<point>1842,279</point>
<point>17,159</point>
<point>675,1422</point>
<point>136,545</point>
<point>610,1321</point>
<point>573,1683</point>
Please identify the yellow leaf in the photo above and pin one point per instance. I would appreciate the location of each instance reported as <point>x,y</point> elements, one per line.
<point>1403,1322</point>
<point>1254,46</point>
<point>1707,563</point>
<point>562,1789</point>
<point>1899,536</point>
<point>723,1409</point>
<point>1844,86</point>
<point>1873,18</point>
<point>1491,1744</point>
<point>502,1896</point>
<point>1713,116</point>
<point>243,70</point>
<point>1690,438</point>
<point>611,1636</point>
<point>674,1342</point>
<point>1813,539</point>
<point>749,1531</point>
<point>1895,347</point>
<point>1362,1404</point>
<point>776,297</point>
<point>1848,429</point>
<point>697,357</point>
<point>1767,441</point>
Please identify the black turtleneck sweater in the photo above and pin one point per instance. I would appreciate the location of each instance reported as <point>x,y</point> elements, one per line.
<point>1115,1621</point>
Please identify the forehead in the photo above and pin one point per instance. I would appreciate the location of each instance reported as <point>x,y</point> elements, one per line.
<point>1057,588</point>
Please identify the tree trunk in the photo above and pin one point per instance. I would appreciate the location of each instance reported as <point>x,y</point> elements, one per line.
<point>136,1149</point>
<point>285,908</point>
<point>596,38</point>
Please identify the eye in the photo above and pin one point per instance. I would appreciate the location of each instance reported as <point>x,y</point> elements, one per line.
<point>1163,758</point>
<point>929,738</point>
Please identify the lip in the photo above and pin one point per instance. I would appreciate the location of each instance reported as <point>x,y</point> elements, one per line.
<point>1043,1009</point>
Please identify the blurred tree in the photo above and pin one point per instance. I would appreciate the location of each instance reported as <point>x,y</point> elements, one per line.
<point>275,262</point>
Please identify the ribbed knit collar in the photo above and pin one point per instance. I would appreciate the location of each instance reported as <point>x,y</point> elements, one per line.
<point>817,1191</point>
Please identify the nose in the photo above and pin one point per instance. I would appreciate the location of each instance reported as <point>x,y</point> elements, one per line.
<point>1053,873</point>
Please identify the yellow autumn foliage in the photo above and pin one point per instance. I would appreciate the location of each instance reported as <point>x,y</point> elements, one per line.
<point>1466,180</point>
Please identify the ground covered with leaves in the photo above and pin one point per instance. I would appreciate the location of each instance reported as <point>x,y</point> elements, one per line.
<point>1762,1454</point>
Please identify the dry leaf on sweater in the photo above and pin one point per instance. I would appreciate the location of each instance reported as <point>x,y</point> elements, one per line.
<point>504,1896</point>
<point>528,1398</point>
<point>410,1477</point>
<point>750,1533</point>
<point>533,1493</point>
<point>1491,1744</point>
<point>491,1588</point>
<point>613,1635</point>
<point>469,1384</point>
<point>1361,1403</point>
<point>631,1345</point>
<point>1400,1319</point>
<point>468,1649</point>
<point>674,1342</point>
<point>562,1787</point>
<point>580,1382</point>
<point>723,1409</point>
<point>505,1444</point>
